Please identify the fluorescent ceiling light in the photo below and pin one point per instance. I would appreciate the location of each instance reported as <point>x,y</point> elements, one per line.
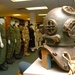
<point>19,0</point>
<point>16,14</point>
<point>42,14</point>
<point>37,8</point>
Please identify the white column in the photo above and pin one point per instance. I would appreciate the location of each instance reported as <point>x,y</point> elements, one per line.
<point>33,21</point>
<point>32,18</point>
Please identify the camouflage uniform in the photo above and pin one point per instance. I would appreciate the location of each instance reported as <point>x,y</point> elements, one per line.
<point>18,40</point>
<point>38,38</point>
<point>26,38</point>
<point>2,50</point>
<point>11,46</point>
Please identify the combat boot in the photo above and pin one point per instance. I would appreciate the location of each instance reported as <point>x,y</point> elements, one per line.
<point>3,67</point>
<point>26,54</point>
<point>18,56</point>
<point>10,61</point>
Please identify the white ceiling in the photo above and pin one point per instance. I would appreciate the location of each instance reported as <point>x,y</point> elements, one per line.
<point>8,8</point>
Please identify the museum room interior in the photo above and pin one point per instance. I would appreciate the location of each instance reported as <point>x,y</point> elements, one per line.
<point>40,33</point>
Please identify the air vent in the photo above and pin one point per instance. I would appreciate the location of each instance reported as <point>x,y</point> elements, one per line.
<point>20,8</point>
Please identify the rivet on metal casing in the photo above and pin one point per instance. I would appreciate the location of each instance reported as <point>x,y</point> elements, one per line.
<point>54,54</point>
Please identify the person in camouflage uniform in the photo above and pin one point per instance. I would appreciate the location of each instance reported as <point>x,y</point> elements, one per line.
<point>11,42</point>
<point>26,38</point>
<point>18,40</point>
<point>2,45</point>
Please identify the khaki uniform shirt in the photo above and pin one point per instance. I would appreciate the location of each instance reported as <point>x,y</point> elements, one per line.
<point>25,33</point>
<point>38,35</point>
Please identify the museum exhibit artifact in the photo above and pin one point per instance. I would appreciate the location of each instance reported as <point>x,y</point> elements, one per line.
<point>3,66</point>
<point>59,34</point>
